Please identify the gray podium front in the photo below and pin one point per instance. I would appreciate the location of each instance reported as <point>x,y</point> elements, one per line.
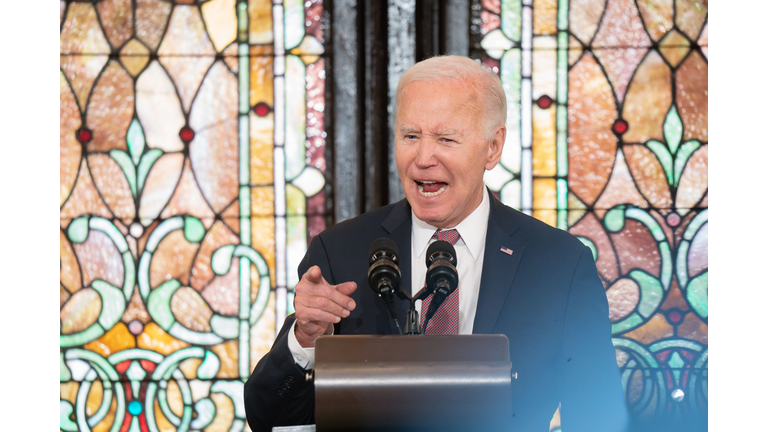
<point>413,383</point>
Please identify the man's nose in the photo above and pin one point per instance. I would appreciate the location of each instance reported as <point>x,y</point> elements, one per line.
<point>426,154</point>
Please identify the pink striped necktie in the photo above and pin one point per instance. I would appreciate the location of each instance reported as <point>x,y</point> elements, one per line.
<point>446,319</point>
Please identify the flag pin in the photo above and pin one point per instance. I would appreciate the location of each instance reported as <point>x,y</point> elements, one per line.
<point>506,250</point>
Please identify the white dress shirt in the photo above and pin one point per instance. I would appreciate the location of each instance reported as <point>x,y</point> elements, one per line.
<point>470,251</point>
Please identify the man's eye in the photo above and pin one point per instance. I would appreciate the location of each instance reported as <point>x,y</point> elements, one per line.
<point>410,136</point>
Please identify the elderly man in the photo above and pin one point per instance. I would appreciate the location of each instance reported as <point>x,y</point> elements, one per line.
<point>536,284</point>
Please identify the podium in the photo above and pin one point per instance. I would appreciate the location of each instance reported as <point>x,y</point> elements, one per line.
<point>412,383</point>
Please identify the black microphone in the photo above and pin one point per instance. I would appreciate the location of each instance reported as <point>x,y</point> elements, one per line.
<point>383,273</point>
<point>442,277</point>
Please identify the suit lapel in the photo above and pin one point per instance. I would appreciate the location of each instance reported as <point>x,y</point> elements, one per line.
<point>398,226</point>
<point>499,265</point>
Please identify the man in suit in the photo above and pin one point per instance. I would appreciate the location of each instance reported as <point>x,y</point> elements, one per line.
<point>517,276</point>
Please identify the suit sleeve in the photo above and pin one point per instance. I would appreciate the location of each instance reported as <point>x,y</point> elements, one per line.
<point>277,393</point>
<point>592,398</point>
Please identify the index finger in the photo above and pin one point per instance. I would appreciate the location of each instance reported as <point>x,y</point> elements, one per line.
<point>314,275</point>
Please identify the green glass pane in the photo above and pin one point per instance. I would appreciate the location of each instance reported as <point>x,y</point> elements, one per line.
<point>673,129</point>
<point>511,19</point>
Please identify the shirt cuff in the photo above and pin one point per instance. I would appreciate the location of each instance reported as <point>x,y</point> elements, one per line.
<point>304,357</point>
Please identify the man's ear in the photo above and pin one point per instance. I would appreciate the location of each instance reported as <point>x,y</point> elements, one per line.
<point>495,147</point>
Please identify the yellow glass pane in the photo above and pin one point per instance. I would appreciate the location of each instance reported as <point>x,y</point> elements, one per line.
<point>544,194</point>
<point>656,328</point>
<point>262,201</point>
<point>263,241</point>
<point>261,50</point>
<point>228,354</point>
<point>116,339</point>
<point>544,146</point>
<point>544,17</point>
<point>549,217</point>
<point>262,149</point>
<point>92,404</point>
<point>153,338</point>
<point>68,391</point>
<point>163,425</point>
<point>221,21</point>
<point>225,413</point>
<point>175,401</point>
<point>262,78</point>
<point>674,47</point>
<point>259,21</point>
<point>134,56</point>
<point>189,367</point>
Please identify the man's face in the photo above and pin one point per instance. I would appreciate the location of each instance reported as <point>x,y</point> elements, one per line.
<point>442,151</point>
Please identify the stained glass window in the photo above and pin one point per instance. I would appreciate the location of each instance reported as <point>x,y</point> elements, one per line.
<point>607,138</point>
<point>192,155</point>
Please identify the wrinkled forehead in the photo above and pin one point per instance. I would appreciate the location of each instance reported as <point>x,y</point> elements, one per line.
<point>461,93</point>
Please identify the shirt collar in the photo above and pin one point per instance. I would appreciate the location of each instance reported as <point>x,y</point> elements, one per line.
<point>472,230</point>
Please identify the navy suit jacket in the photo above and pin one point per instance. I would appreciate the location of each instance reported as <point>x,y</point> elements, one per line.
<point>546,297</point>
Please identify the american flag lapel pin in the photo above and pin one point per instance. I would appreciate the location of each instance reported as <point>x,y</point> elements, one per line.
<point>506,250</point>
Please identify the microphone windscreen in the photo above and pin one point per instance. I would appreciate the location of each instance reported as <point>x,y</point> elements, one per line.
<point>382,244</point>
<point>441,247</point>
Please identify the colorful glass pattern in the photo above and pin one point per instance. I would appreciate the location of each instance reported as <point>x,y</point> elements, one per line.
<point>192,178</point>
<point>618,157</point>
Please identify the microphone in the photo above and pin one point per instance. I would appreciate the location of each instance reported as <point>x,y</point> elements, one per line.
<point>383,273</point>
<point>442,277</point>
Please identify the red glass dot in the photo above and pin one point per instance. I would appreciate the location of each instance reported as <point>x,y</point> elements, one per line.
<point>675,317</point>
<point>544,102</point>
<point>620,126</point>
<point>186,134</point>
<point>261,109</point>
<point>84,135</point>
<point>122,366</point>
<point>148,365</point>
<point>673,219</point>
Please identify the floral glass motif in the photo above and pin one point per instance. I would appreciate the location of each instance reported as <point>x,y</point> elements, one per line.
<point>610,143</point>
<point>192,178</point>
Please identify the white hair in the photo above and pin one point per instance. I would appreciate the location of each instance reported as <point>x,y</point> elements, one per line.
<point>457,68</point>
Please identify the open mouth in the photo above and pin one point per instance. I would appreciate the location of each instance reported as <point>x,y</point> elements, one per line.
<point>431,188</point>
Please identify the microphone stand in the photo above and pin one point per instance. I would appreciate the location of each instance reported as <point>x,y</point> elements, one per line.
<point>412,326</point>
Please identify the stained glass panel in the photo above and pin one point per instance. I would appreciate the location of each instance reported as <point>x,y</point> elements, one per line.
<point>627,173</point>
<point>192,178</point>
